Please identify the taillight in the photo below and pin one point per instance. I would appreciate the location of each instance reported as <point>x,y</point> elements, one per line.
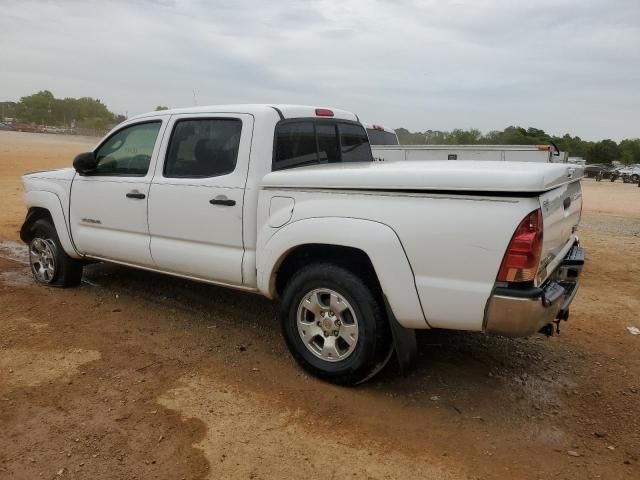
<point>324,112</point>
<point>521,261</point>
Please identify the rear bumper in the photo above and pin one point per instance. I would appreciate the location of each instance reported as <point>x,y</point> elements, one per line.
<point>514,312</point>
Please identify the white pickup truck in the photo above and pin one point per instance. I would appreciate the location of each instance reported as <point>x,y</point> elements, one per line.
<point>286,201</point>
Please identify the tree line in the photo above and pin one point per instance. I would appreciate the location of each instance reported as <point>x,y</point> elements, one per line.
<point>603,151</point>
<point>43,108</point>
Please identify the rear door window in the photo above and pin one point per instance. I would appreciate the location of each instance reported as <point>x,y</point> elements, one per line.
<point>202,148</point>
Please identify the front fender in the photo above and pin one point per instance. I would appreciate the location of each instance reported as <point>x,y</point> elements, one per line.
<point>377,240</point>
<point>50,202</point>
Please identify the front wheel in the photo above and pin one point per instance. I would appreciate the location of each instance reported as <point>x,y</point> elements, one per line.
<point>50,265</point>
<point>334,325</point>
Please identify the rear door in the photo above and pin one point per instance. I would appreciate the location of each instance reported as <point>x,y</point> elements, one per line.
<point>196,197</point>
<point>108,212</point>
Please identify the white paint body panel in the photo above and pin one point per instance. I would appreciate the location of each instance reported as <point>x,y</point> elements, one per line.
<point>49,189</point>
<point>105,223</point>
<point>451,248</point>
<point>469,176</point>
<point>189,235</point>
<point>376,239</point>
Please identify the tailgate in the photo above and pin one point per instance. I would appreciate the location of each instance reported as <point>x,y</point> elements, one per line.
<point>561,209</point>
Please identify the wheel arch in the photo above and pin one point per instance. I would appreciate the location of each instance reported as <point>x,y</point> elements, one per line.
<point>46,205</point>
<point>371,247</point>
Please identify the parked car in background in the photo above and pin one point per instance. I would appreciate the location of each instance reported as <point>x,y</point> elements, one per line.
<point>598,170</point>
<point>630,174</point>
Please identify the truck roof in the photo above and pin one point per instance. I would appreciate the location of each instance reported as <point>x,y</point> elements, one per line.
<point>286,111</point>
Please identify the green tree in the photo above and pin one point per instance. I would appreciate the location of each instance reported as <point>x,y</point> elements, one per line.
<point>630,151</point>
<point>44,108</point>
<point>37,107</point>
<point>604,151</point>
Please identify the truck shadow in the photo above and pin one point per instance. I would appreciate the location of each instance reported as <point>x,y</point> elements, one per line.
<point>461,370</point>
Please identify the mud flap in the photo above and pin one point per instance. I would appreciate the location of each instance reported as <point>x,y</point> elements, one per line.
<point>404,342</point>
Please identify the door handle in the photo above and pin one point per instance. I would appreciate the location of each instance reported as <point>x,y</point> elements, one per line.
<point>222,200</point>
<point>136,195</point>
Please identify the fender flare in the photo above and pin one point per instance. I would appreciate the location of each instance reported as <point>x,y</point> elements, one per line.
<point>377,240</point>
<point>51,202</point>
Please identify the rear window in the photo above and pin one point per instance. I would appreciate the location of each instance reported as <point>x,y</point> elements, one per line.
<point>296,144</point>
<point>354,143</point>
<point>328,143</point>
<point>306,142</point>
<point>380,137</point>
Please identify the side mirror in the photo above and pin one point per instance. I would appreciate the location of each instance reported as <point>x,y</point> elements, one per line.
<point>85,163</point>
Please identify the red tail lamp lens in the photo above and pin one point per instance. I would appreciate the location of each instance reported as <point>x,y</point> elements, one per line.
<point>521,261</point>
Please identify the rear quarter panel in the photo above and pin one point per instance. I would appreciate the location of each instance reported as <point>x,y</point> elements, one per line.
<point>454,243</point>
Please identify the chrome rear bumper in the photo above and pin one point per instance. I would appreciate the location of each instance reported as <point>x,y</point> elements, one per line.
<point>516,312</point>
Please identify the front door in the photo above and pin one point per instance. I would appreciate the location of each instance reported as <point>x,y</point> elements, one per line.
<point>109,206</point>
<point>197,195</point>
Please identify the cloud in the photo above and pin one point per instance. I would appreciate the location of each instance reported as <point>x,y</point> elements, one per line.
<point>562,65</point>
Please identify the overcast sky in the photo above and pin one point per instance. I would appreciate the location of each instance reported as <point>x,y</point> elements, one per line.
<point>560,65</point>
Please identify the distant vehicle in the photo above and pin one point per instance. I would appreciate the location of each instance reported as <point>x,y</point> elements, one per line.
<point>600,170</point>
<point>24,127</point>
<point>4,126</point>
<point>577,160</point>
<point>379,135</point>
<point>503,153</point>
<point>630,174</point>
<point>386,148</point>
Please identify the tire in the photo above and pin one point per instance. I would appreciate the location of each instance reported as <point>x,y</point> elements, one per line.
<point>50,265</point>
<point>325,305</point>
<point>635,178</point>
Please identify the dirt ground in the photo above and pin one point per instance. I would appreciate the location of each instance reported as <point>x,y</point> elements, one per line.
<point>138,375</point>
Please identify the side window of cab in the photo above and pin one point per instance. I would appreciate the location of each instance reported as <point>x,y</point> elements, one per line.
<point>203,148</point>
<point>127,153</point>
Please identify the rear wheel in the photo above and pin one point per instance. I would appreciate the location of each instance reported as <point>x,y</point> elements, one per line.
<point>334,325</point>
<point>50,265</point>
<point>635,178</point>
